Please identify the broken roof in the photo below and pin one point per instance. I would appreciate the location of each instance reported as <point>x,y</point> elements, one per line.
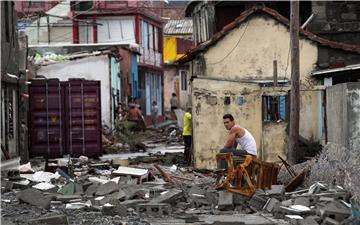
<point>184,26</point>
<point>260,9</point>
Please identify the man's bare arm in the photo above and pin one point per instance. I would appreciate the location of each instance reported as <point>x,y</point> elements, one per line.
<point>231,139</point>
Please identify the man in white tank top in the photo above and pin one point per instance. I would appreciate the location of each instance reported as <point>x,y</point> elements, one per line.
<point>238,136</point>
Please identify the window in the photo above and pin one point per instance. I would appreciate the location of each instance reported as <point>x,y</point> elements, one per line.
<point>7,24</point>
<point>274,108</point>
<point>145,35</point>
<point>116,29</point>
<point>156,38</point>
<point>183,75</point>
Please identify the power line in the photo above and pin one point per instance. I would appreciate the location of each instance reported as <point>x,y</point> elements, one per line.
<point>242,35</point>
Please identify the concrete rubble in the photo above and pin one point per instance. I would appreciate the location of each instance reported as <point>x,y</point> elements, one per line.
<point>149,188</point>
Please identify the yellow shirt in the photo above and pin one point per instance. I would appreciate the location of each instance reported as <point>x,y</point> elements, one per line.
<point>187,124</point>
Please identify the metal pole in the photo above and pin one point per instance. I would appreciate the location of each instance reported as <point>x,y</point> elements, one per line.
<point>295,83</point>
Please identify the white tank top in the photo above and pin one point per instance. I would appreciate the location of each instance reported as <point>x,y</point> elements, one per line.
<point>247,142</point>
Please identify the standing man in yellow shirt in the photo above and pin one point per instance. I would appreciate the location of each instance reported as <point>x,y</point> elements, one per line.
<point>187,134</point>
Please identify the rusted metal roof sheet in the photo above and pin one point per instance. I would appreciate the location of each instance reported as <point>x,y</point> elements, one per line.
<point>259,9</point>
<point>184,26</point>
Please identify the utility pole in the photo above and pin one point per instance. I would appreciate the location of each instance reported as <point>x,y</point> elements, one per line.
<point>295,83</point>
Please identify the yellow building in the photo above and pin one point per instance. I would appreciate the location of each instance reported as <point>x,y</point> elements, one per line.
<point>177,39</point>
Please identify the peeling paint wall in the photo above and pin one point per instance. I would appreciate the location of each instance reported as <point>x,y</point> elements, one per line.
<point>253,46</point>
<point>274,141</point>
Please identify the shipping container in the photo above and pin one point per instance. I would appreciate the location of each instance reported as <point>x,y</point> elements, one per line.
<point>46,118</point>
<point>83,118</point>
<point>64,118</point>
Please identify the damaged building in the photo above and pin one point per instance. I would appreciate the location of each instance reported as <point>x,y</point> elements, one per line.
<point>233,72</point>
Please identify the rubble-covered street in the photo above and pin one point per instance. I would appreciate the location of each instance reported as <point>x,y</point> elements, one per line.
<point>156,187</point>
<point>175,112</point>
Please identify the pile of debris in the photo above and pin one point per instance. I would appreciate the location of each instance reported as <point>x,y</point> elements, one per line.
<point>167,133</point>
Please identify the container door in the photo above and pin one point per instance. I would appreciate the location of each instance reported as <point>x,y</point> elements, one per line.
<point>46,125</point>
<point>83,118</point>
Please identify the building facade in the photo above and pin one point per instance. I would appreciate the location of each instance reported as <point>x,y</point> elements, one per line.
<point>177,41</point>
<point>9,91</point>
<point>233,73</point>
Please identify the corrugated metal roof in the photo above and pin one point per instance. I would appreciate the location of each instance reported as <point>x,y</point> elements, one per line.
<point>183,26</point>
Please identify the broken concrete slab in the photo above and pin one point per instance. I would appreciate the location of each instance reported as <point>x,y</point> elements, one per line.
<point>271,204</point>
<point>237,219</point>
<point>276,191</point>
<point>305,201</point>
<point>257,202</point>
<point>91,190</point>
<point>119,195</point>
<point>50,220</point>
<point>107,188</point>
<point>329,221</point>
<point>113,210</point>
<point>68,189</point>
<point>78,205</point>
<point>67,198</point>
<point>168,197</point>
<point>21,184</point>
<point>45,187</point>
<point>133,203</point>
<point>308,221</point>
<point>225,200</point>
<point>335,210</point>
<point>34,197</point>
<point>130,171</point>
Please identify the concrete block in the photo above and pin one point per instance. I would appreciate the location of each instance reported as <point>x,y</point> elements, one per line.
<point>225,199</point>
<point>271,204</point>
<point>169,197</point>
<point>329,221</point>
<point>276,190</point>
<point>133,203</point>
<point>257,203</point>
<point>119,195</point>
<point>336,211</point>
<point>107,188</point>
<point>305,201</point>
<point>308,221</point>
<point>91,190</point>
<point>113,210</point>
<point>68,189</point>
<point>34,197</point>
<point>240,199</point>
<point>67,198</point>
<point>50,220</point>
<point>154,209</point>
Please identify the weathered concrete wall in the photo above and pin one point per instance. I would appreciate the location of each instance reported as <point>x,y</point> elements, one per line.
<point>90,68</point>
<point>353,100</point>
<point>274,141</point>
<point>343,114</point>
<point>311,114</point>
<point>208,129</point>
<point>263,40</point>
<point>170,79</point>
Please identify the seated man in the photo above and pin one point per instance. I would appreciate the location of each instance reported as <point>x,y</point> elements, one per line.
<point>238,135</point>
